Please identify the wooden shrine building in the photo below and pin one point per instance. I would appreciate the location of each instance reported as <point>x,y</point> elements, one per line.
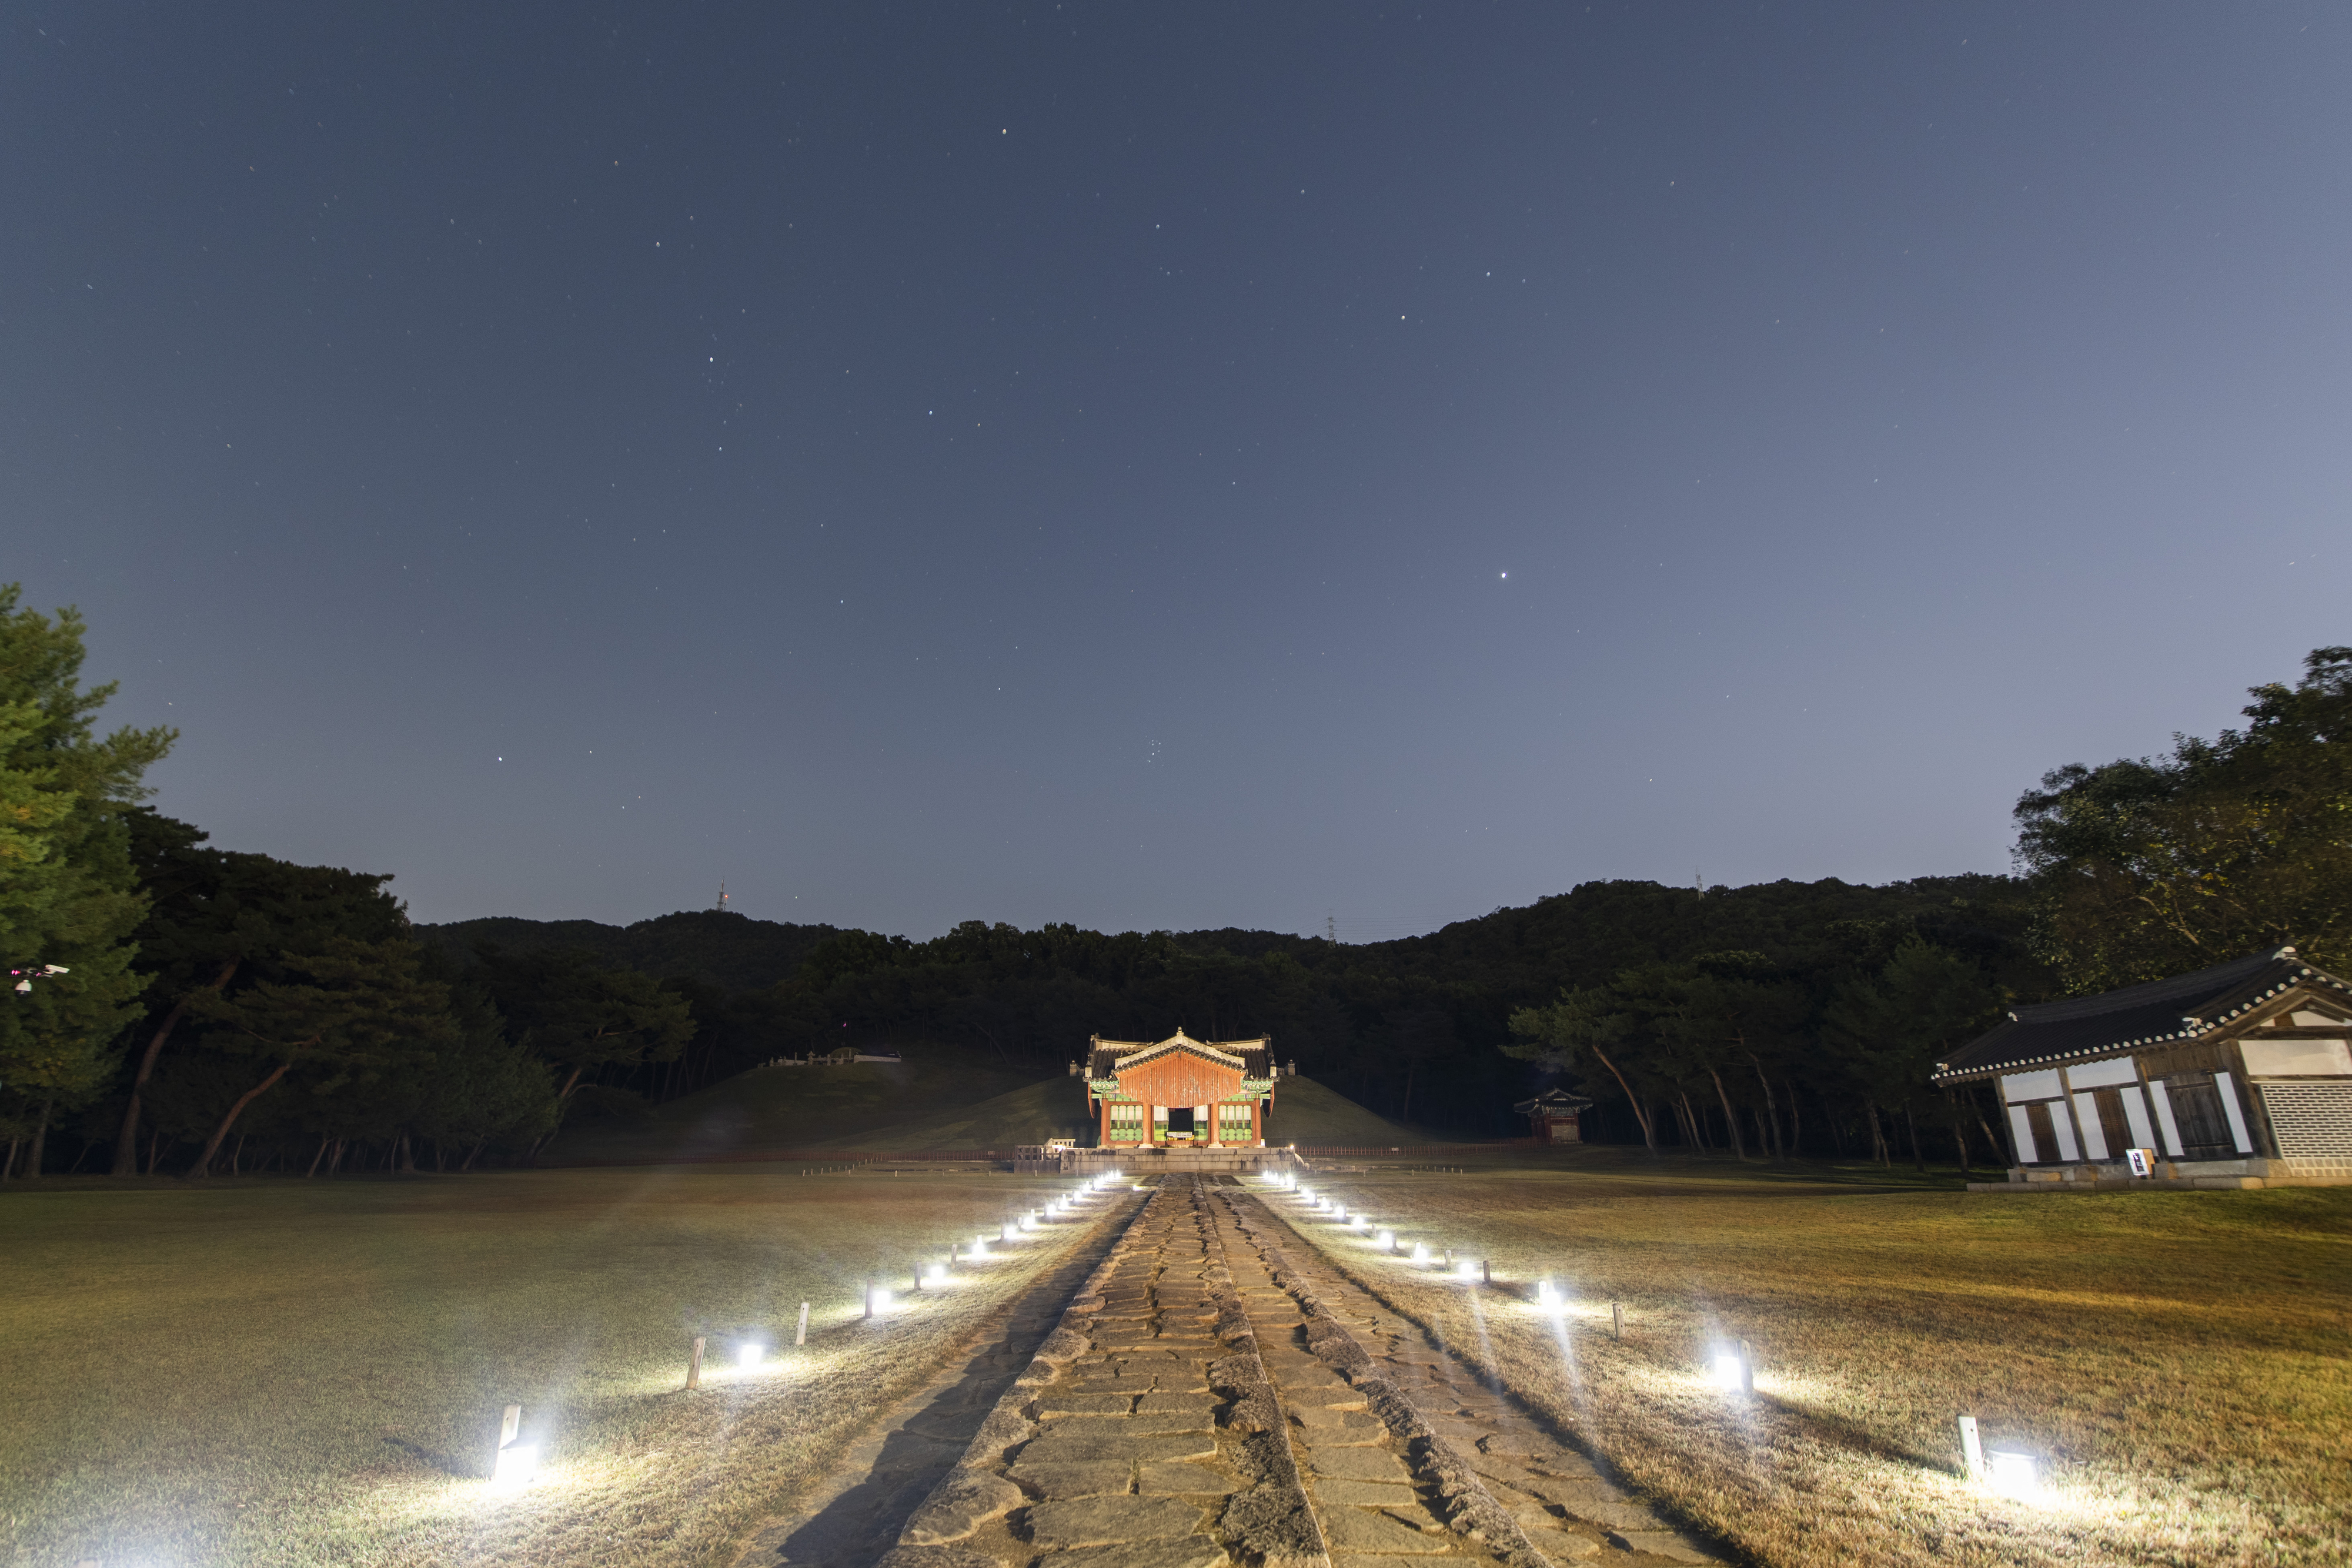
<point>1181,1093</point>
<point>2239,1075</point>
<point>1555,1116</point>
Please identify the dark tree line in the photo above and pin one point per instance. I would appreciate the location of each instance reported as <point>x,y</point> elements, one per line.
<point>176,1007</point>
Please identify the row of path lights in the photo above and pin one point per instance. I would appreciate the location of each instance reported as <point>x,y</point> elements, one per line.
<point>514,1462</point>
<point>1729,1368</point>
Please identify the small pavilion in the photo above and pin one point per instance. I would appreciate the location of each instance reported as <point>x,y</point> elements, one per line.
<point>1555,1116</point>
<point>1181,1093</point>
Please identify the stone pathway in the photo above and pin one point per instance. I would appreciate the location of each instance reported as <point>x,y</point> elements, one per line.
<point>1568,1509</point>
<point>856,1516</point>
<point>1205,1400</point>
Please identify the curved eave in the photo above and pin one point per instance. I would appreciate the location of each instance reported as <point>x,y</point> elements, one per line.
<point>2304,978</point>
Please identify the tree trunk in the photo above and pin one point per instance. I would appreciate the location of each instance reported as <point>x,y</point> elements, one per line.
<point>1779,1150</point>
<point>406,1161</point>
<point>41,1142</point>
<point>203,1165</point>
<point>1877,1138</point>
<point>1913,1127</point>
<point>126,1145</point>
<point>1730,1121</point>
<point>237,1154</point>
<point>472,1151</point>
<point>321,1154</point>
<point>1796,1124</point>
<point>1649,1133</point>
<point>9,1169</point>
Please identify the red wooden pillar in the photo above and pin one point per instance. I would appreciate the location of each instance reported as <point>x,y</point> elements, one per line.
<point>1102,1138</point>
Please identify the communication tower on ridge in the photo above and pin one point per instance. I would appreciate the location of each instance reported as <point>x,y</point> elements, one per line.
<point>722,898</point>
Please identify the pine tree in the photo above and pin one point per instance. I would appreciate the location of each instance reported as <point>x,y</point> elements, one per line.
<point>68,897</point>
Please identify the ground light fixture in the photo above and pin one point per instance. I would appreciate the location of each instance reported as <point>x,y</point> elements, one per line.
<point>1730,1369</point>
<point>518,1463</point>
<point>2013,1472</point>
<point>939,1274</point>
<point>749,1352</point>
<point>1419,1253</point>
<point>515,1461</point>
<point>1385,1241</point>
<point>1467,1270</point>
<point>1549,1299</point>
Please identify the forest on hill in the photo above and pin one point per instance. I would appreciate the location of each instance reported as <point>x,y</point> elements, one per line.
<point>1417,1029</point>
<point>177,1007</point>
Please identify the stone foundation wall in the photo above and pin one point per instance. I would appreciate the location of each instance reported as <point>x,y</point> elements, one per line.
<point>2114,1175</point>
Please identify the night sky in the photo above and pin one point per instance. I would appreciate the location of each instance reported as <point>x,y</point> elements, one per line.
<point>1168,467</point>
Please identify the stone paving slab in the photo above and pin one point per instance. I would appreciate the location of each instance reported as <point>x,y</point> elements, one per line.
<point>1110,1521</point>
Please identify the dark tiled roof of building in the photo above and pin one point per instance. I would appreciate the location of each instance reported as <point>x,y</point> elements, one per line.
<point>2184,1007</point>
<point>1552,1100</point>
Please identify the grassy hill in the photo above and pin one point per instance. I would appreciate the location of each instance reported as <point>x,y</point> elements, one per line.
<point>1054,1108</point>
<point>774,1108</point>
<point>1306,1112</point>
<point>925,1103</point>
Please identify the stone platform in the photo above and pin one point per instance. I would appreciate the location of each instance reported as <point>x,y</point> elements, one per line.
<point>1227,1159</point>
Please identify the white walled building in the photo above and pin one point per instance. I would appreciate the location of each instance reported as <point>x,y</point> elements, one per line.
<point>2239,1075</point>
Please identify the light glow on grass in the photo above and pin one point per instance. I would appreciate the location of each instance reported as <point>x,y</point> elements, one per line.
<point>937,1274</point>
<point>749,1355</point>
<point>1385,1240</point>
<point>1419,1252</point>
<point>1549,1298</point>
<point>1465,1270</point>
<point>1724,1370</point>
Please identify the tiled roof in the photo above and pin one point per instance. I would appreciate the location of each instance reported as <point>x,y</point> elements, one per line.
<point>1109,1058</point>
<point>2184,1007</point>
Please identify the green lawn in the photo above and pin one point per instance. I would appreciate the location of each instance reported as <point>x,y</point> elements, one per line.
<point>2178,1359</point>
<point>291,1372</point>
